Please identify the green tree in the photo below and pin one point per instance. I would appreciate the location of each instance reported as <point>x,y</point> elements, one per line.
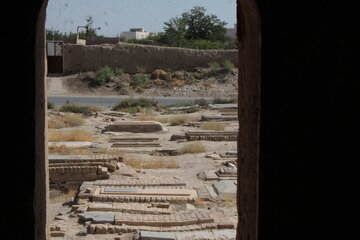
<point>175,31</point>
<point>54,34</point>
<point>194,25</point>
<point>90,30</point>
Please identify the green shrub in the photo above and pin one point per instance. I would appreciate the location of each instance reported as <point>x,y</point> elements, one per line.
<point>201,102</point>
<point>214,66</point>
<point>68,120</point>
<point>50,105</point>
<point>228,65</point>
<point>132,105</point>
<point>119,71</point>
<point>102,76</point>
<point>139,81</point>
<point>75,108</point>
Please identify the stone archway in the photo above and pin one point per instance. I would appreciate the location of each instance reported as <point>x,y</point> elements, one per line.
<point>248,24</point>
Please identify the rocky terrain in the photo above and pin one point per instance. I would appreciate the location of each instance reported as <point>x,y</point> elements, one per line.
<point>199,82</point>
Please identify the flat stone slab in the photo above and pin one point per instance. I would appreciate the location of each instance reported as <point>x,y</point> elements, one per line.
<point>146,235</point>
<point>135,182</point>
<point>211,192</point>
<point>219,118</point>
<point>135,144</point>
<point>224,234</point>
<point>56,158</point>
<point>98,217</point>
<point>223,106</point>
<point>70,144</point>
<point>225,188</point>
<point>134,127</point>
<point>208,175</point>
<point>196,235</point>
<point>134,139</point>
<point>135,208</point>
<point>211,135</point>
<point>179,219</point>
<point>229,154</point>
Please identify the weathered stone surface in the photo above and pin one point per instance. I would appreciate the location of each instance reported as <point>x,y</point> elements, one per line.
<point>208,175</point>
<point>101,229</point>
<point>225,188</point>
<point>233,106</point>
<point>70,144</point>
<point>134,127</point>
<point>219,118</point>
<point>224,234</point>
<point>146,235</point>
<point>211,135</point>
<point>98,217</point>
<point>61,218</point>
<point>133,139</point>
<point>136,144</point>
<point>197,235</point>
<point>211,192</point>
<point>57,233</point>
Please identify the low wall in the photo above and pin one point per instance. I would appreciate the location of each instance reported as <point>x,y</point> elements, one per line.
<point>132,56</point>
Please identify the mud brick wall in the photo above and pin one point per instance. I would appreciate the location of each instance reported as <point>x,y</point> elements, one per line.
<point>132,56</point>
<point>76,173</point>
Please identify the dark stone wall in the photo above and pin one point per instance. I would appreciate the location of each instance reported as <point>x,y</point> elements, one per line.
<point>18,92</point>
<point>309,82</point>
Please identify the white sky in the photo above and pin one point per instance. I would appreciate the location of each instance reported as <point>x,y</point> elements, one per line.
<point>116,16</point>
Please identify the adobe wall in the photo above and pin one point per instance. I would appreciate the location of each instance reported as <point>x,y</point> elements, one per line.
<point>131,56</point>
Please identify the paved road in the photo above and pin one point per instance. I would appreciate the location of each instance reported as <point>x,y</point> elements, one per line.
<point>109,101</point>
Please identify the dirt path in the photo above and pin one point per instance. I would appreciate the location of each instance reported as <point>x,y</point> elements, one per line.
<point>55,85</point>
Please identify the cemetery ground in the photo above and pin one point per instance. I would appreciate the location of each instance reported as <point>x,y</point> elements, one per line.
<point>143,172</point>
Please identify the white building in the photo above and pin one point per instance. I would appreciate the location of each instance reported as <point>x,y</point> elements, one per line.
<point>135,33</point>
<point>231,32</point>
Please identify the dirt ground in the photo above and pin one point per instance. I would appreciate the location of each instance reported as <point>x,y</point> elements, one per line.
<point>188,165</point>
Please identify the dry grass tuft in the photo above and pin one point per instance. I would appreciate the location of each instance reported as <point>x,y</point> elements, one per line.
<point>70,136</point>
<point>178,120</point>
<point>178,83</point>
<point>68,120</point>
<point>62,196</point>
<point>193,147</point>
<point>214,126</point>
<point>150,164</point>
<point>162,119</point>
<point>108,151</point>
<point>228,201</point>
<point>146,116</point>
<point>63,150</point>
<point>199,202</point>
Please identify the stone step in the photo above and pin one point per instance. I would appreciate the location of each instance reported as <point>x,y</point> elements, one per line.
<point>134,139</point>
<point>136,144</point>
<point>137,194</point>
<point>137,182</point>
<point>134,208</point>
<point>212,135</point>
<point>219,118</point>
<point>106,228</point>
<point>134,127</point>
<point>179,219</point>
